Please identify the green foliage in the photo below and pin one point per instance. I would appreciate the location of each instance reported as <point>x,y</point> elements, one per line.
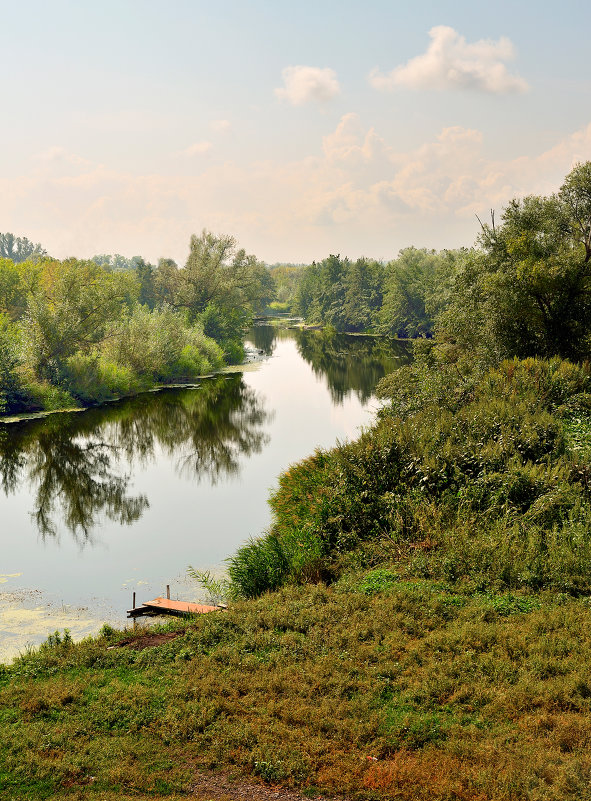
<point>378,581</point>
<point>527,292</point>
<point>481,487</point>
<point>286,279</point>
<point>418,287</point>
<point>91,331</point>
<point>217,274</point>
<point>56,641</point>
<point>37,395</point>
<point>218,590</point>
<point>93,378</point>
<point>17,280</point>
<point>158,345</point>
<point>19,248</point>
<point>69,312</point>
<point>11,390</point>
<point>259,566</point>
<point>402,298</point>
<point>340,293</point>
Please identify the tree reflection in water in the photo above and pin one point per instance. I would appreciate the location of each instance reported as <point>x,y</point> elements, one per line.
<point>264,337</point>
<point>351,363</point>
<point>79,464</point>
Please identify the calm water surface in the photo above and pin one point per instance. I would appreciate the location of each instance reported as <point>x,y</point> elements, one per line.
<point>99,504</point>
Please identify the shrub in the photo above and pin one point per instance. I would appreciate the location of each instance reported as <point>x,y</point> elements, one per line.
<point>259,566</point>
<point>92,378</point>
<point>483,489</point>
<point>161,346</point>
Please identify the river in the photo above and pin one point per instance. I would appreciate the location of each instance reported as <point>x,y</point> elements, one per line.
<point>119,499</point>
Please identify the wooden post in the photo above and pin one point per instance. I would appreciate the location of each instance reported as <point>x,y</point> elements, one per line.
<point>168,591</point>
<point>133,604</point>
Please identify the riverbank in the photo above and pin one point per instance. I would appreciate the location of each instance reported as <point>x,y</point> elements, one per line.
<point>430,638</point>
<point>90,495</point>
<point>252,357</point>
<point>369,689</point>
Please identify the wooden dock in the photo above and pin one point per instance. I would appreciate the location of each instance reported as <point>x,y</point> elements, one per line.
<point>164,606</point>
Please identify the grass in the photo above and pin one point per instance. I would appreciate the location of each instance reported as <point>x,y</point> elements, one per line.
<point>377,687</point>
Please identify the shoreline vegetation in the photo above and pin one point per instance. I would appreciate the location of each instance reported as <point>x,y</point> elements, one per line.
<point>416,623</point>
<point>77,333</point>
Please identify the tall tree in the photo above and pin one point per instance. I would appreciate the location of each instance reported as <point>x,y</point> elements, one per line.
<point>528,291</point>
<point>19,248</point>
<point>69,311</point>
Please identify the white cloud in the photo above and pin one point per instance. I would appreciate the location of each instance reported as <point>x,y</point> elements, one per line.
<point>359,196</point>
<point>197,149</point>
<point>220,126</point>
<point>307,84</point>
<point>350,144</point>
<point>56,154</point>
<point>452,63</point>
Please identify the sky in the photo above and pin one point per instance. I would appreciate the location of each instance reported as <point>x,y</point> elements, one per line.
<point>302,129</point>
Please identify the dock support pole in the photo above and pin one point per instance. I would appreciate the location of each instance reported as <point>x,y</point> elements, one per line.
<point>133,604</point>
<point>168,591</point>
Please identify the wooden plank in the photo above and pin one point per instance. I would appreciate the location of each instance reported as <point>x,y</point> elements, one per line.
<point>180,606</point>
<point>164,606</point>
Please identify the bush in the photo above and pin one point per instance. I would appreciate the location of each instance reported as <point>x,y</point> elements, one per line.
<point>259,566</point>
<point>42,396</point>
<point>483,490</point>
<point>92,378</point>
<point>160,346</point>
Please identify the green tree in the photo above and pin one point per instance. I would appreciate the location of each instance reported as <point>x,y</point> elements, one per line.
<point>19,248</point>
<point>17,281</point>
<point>69,311</point>
<point>362,283</point>
<point>10,382</point>
<point>417,288</point>
<point>528,291</point>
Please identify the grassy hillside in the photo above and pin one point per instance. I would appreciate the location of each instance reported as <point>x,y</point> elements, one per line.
<point>374,687</point>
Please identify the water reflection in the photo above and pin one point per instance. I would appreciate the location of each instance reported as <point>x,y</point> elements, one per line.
<point>348,363</point>
<point>351,363</point>
<point>263,337</point>
<point>78,466</point>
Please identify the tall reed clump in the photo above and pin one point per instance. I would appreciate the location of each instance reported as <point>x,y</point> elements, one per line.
<point>489,490</point>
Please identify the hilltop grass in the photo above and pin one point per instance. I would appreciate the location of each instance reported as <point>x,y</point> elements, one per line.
<point>376,687</point>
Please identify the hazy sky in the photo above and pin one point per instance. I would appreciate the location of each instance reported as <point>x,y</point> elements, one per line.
<point>302,128</point>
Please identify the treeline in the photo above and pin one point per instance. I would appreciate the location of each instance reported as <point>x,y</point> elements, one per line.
<point>522,287</point>
<point>400,298</point>
<point>478,470</point>
<point>78,332</point>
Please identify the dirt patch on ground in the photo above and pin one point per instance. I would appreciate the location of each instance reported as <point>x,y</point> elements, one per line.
<point>145,641</point>
<point>216,787</point>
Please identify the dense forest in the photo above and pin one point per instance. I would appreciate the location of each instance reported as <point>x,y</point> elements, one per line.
<point>80,332</point>
<point>400,298</point>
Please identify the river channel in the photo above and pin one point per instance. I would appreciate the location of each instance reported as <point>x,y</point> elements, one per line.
<point>99,504</point>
